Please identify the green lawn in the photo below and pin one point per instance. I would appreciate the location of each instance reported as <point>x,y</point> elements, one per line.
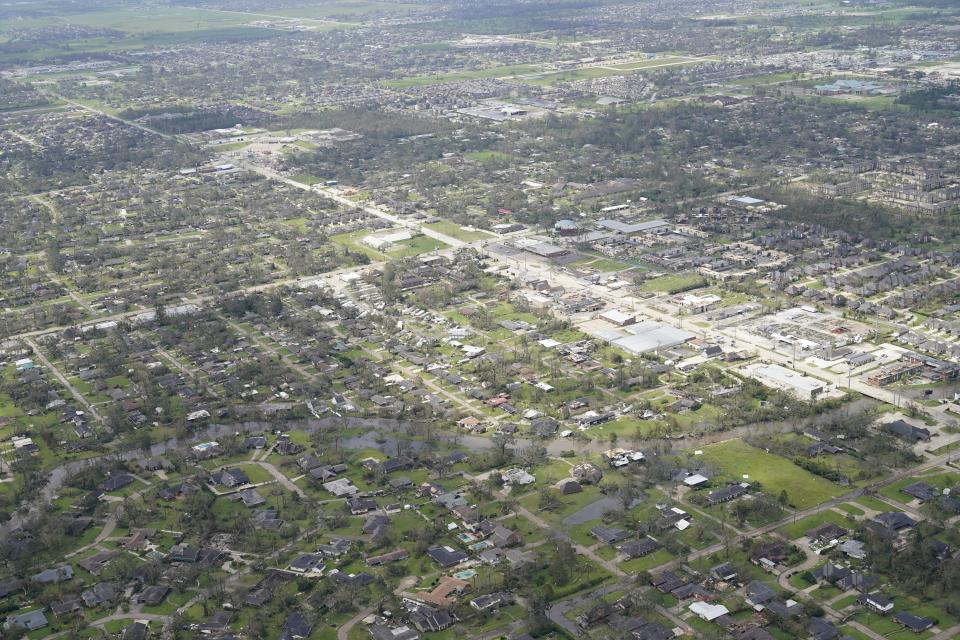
<point>353,241</point>
<point>489,156</point>
<point>851,509</point>
<point>844,602</point>
<point>776,474</point>
<point>415,246</point>
<point>870,502</point>
<point>256,473</point>
<point>884,625</point>
<point>941,481</point>
<point>303,178</point>
<point>655,559</point>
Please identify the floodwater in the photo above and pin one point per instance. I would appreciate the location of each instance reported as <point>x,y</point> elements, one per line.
<point>375,439</point>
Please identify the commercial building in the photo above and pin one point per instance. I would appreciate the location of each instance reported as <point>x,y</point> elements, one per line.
<point>645,337</point>
<point>773,375</point>
<point>617,317</point>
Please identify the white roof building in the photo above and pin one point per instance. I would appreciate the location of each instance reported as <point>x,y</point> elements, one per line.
<point>707,611</point>
<point>517,476</point>
<point>617,317</point>
<point>694,480</point>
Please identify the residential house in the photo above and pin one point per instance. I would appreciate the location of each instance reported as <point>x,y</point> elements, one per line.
<point>59,573</point>
<point>296,627</point>
<point>638,548</point>
<point>117,481</point>
<point>586,473</point>
<point>503,537</point>
<point>151,596</point>
<point>230,478</point>
<point>826,533</point>
<point>759,594</point>
<point>877,602</point>
<point>609,535</point>
<point>335,548</point>
<point>917,624</point>
<point>183,553</point>
<point>30,621</point>
<point>906,431</point>
<point>66,607</point>
<point>139,630</point>
<point>360,506</point>
<point>822,629</point>
<point>428,619</point>
<point>725,572</point>
<point>100,594</point>
<point>730,492</point>
<point>491,601</point>
<point>95,563</point>
<point>383,632</point>
<point>307,564</point>
<point>921,491</point>
<point>446,556</point>
<point>896,520</point>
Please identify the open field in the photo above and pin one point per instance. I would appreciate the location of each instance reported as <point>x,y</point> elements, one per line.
<point>492,72</point>
<point>672,282</point>
<point>738,459</point>
<point>636,65</point>
<point>454,230</point>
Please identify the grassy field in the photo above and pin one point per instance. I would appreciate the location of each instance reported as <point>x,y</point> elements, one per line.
<point>353,242</point>
<point>636,65</point>
<point>940,481</point>
<point>306,179</point>
<point>344,9</point>
<point>139,41</point>
<point>454,230</point>
<point>489,155</point>
<point>776,474</point>
<point>765,78</point>
<point>141,26</point>
<point>414,247</point>
<point>672,282</point>
<point>871,103</point>
<point>146,19</point>
<point>573,75</point>
<point>600,264</point>
<point>454,76</point>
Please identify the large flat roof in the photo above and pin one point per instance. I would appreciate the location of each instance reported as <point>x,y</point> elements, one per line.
<point>786,378</point>
<point>639,227</point>
<point>650,336</point>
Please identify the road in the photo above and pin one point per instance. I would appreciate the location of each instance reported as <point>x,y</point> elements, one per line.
<point>572,284</point>
<point>63,381</point>
<point>333,194</point>
<point>343,632</point>
<point>579,548</point>
<point>566,279</point>
<point>197,300</point>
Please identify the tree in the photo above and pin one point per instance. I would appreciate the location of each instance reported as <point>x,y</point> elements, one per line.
<point>562,563</point>
<point>548,500</point>
<point>500,442</point>
<point>54,257</point>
